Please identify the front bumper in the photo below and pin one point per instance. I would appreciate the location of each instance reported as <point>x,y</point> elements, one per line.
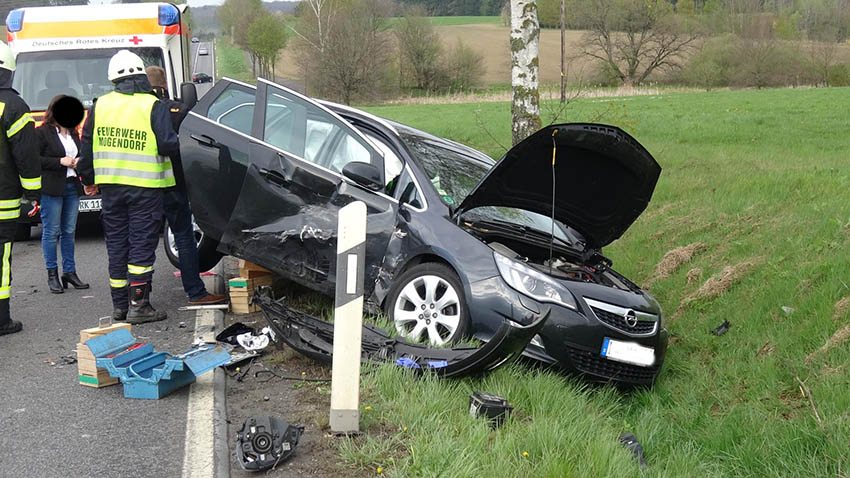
<point>570,339</point>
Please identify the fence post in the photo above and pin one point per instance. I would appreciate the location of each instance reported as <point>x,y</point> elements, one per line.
<point>348,319</point>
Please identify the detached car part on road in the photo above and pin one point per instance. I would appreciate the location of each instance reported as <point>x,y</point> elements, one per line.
<point>313,337</point>
<point>457,243</point>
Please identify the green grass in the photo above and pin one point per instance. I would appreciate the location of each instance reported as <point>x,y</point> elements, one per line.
<point>759,177</point>
<point>446,21</point>
<point>230,61</point>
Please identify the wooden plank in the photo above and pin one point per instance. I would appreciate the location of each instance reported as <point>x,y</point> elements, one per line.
<point>93,332</point>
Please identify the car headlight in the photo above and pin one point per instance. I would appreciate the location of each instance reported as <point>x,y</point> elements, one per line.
<point>533,283</point>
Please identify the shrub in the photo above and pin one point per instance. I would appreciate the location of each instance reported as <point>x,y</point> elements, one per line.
<point>465,67</point>
<point>839,75</point>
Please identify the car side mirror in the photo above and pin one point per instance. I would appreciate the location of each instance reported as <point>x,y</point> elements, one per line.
<point>188,95</point>
<point>364,174</point>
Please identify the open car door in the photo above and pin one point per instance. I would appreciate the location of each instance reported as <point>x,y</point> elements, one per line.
<point>305,164</point>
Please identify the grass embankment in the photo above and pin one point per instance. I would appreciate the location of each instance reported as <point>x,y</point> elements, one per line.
<point>230,61</point>
<point>760,180</point>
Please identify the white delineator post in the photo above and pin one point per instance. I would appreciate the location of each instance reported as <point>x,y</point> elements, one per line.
<point>348,319</point>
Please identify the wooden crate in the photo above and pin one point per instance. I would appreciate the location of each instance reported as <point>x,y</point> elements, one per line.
<point>249,270</point>
<point>87,334</point>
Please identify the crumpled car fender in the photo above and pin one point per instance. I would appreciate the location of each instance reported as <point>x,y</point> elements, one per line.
<point>313,337</point>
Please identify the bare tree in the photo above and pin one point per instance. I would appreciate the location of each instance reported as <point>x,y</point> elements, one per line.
<point>634,38</point>
<point>345,59</point>
<point>420,47</point>
<point>525,63</point>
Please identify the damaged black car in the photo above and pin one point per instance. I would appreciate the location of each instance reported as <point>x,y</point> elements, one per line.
<point>456,242</point>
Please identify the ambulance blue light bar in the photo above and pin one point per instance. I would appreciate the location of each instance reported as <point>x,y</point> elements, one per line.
<point>168,15</point>
<point>15,20</point>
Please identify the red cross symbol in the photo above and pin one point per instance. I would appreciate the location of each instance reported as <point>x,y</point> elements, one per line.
<point>135,40</point>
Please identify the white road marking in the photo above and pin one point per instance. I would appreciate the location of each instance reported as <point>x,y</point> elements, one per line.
<point>199,452</point>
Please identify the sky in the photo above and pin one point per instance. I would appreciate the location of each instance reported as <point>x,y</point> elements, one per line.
<point>192,3</point>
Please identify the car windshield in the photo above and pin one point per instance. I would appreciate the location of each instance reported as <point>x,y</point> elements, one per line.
<point>42,75</point>
<point>454,174</point>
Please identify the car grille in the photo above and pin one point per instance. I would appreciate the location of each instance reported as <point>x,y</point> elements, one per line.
<point>643,327</point>
<point>595,364</point>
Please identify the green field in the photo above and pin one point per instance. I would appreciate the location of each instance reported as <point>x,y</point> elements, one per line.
<point>447,21</point>
<point>761,179</point>
<point>230,61</point>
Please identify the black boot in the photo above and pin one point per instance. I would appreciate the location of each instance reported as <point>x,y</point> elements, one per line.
<point>119,315</point>
<point>53,282</point>
<point>141,310</point>
<point>71,278</point>
<point>7,325</point>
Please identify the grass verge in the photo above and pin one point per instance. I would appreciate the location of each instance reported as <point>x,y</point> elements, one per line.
<point>230,61</point>
<point>760,178</point>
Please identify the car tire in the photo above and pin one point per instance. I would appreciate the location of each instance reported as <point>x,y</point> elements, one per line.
<point>23,232</point>
<point>208,255</point>
<point>429,285</point>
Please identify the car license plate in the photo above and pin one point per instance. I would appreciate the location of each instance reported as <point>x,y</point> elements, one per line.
<point>628,352</point>
<point>89,205</point>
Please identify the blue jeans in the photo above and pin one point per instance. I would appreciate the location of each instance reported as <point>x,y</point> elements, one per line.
<point>179,216</point>
<point>59,220</point>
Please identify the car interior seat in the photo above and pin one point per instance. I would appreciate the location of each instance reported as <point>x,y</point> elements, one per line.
<point>56,83</point>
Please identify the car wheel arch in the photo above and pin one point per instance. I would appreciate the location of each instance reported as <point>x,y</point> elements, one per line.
<point>424,258</point>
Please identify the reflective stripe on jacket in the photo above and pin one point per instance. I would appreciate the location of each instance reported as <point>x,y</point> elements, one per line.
<point>124,146</point>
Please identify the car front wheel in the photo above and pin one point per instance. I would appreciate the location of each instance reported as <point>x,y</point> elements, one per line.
<point>427,303</point>
<point>208,256</point>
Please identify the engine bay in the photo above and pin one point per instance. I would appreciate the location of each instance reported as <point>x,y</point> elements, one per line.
<point>586,266</point>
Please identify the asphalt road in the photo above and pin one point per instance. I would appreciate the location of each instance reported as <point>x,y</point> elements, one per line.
<point>203,64</point>
<point>54,427</point>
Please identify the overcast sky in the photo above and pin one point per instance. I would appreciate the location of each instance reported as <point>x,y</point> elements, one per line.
<point>192,3</point>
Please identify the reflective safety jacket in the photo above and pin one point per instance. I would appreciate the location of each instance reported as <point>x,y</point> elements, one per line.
<point>124,146</point>
<point>20,168</point>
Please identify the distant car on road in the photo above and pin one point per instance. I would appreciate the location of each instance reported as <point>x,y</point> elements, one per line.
<point>203,51</point>
<point>195,40</point>
<point>201,78</point>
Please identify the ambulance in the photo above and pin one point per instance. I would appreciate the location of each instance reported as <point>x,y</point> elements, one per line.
<point>66,50</point>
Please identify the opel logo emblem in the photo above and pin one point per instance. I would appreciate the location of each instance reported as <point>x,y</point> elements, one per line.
<point>631,318</point>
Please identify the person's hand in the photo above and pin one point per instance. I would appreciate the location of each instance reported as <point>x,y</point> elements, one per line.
<point>68,161</point>
<point>91,190</point>
<point>35,208</point>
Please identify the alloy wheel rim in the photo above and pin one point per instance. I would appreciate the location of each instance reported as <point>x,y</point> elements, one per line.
<point>172,243</point>
<point>427,308</point>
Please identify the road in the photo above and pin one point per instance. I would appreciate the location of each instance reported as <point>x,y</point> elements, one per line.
<point>54,427</point>
<point>203,64</point>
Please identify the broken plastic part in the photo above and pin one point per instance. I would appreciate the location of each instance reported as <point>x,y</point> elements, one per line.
<point>263,442</point>
<point>493,407</point>
<point>313,337</point>
<point>630,442</point>
<point>722,329</point>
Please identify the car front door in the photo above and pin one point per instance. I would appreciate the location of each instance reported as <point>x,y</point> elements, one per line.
<point>215,146</point>
<point>286,215</point>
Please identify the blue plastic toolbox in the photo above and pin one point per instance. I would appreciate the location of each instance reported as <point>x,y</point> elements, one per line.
<point>147,373</point>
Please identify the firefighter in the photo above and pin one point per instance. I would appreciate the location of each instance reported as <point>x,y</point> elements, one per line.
<point>127,139</point>
<point>20,174</point>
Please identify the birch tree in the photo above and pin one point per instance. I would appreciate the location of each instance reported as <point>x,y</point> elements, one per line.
<point>525,96</point>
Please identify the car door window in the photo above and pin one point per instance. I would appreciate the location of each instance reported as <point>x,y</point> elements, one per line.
<point>304,129</point>
<point>233,108</point>
<point>392,165</point>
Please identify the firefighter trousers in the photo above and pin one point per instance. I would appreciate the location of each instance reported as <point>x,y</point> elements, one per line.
<point>7,234</point>
<point>132,222</point>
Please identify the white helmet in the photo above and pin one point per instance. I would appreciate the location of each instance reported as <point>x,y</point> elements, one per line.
<point>7,58</point>
<point>125,63</point>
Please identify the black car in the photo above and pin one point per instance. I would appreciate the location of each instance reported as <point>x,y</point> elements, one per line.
<point>455,241</point>
<point>201,78</point>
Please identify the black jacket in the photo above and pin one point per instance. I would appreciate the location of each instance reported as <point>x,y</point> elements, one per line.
<point>50,151</point>
<point>166,137</point>
<point>17,153</point>
<point>178,112</point>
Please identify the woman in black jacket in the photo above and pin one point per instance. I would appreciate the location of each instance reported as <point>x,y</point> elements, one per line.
<point>59,146</point>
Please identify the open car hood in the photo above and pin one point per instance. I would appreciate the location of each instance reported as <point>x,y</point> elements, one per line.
<point>604,179</point>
